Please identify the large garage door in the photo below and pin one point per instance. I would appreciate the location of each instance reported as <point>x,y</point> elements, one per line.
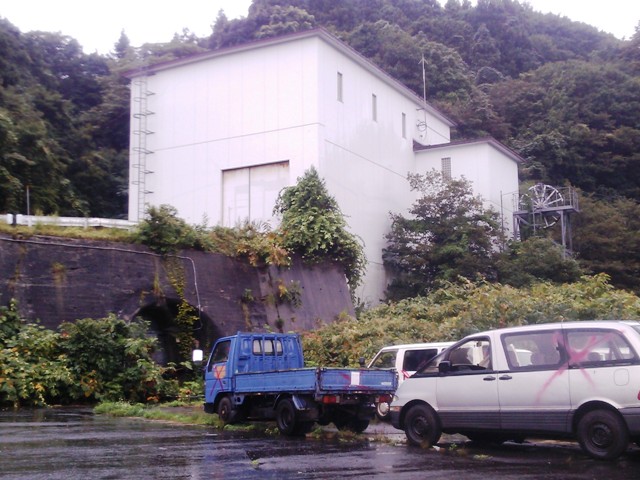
<point>250,193</point>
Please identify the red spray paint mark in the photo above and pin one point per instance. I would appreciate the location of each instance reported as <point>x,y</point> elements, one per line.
<point>575,357</point>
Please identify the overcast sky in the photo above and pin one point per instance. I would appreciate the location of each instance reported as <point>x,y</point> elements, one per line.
<point>97,24</point>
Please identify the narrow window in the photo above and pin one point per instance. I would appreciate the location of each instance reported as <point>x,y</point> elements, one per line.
<point>374,107</point>
<point>404,125</point>
<point>339,87</point>
<point>446,168</point>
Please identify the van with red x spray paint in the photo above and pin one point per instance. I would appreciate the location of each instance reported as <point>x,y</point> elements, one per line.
<point>262,376</point>
<point>576,380</point>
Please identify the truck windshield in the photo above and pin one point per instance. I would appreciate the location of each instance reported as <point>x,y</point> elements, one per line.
<point>221,352</point>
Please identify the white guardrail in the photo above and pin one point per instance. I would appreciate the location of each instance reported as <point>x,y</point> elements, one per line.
<point>84,222</point>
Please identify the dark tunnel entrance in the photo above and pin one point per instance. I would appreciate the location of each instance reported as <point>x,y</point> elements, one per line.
<point>161,317</point>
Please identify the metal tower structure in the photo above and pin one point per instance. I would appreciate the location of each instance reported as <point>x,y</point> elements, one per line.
<point>543,207</point>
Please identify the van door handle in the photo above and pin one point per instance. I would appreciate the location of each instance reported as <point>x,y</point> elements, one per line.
<point>506,377</point>
<point>489,379</point>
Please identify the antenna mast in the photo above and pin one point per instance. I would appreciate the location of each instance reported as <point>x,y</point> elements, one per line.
<point>422,125</point>
<point>424,79</point>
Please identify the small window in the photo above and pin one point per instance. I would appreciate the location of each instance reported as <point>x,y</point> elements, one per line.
<point>446,168</point>
<point>268,347</point>
<point>404,125</point>
<point>374,107</point>
<point>340,87</point>
<point>257,347</point>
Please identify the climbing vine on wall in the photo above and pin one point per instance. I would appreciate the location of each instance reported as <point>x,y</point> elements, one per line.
<point>186,315</point>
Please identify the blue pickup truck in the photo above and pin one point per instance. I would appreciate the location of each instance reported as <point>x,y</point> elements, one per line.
<point>261,376</point>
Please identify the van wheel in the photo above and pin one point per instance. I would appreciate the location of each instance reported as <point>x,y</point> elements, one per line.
<point>422,427</point>
<point>603,434</point>
<point>225,410</point>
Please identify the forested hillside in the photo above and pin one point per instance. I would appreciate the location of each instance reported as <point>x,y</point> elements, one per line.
<point>563,95</point>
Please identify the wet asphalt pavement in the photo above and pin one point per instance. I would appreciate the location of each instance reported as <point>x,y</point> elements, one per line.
<point>71,443</point>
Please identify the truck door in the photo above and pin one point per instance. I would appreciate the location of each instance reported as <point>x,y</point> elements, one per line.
<point>216,374</point>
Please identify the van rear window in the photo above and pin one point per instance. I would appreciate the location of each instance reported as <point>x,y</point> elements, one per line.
<point>598,347</point>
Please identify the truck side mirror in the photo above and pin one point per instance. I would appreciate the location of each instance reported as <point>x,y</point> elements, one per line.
<point>197,356</point>
<point>361,362</point>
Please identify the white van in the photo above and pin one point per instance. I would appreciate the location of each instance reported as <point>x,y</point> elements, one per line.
<point>405,359</point>
<point>564,380</point>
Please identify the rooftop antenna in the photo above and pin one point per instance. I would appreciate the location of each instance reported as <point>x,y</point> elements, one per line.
<point>424,79</point>
<point>422,124</point>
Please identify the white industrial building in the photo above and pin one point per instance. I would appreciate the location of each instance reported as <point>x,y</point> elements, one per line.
<point>219,134</point>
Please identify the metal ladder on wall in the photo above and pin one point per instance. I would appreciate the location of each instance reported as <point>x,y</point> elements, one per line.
<point>140,150</point>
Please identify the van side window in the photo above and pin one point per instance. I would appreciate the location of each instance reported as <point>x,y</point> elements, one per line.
<point>385,360</point>
<point>533,350</point>
<point>598,348</point>
<point>416,359</point>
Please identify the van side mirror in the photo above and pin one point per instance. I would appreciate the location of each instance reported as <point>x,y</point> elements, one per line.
<point>444,366</point>
<point>197,356</point>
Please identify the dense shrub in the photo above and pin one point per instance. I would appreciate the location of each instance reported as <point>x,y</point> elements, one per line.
<point>164,233</point>
<point>85,361</point>
<point>460,309</point>
<point>111,359</point>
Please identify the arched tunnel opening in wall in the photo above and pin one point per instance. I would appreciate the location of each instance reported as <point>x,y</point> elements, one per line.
<point>162,319</point>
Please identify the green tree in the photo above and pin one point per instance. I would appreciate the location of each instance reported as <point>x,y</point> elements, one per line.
<point>314,227</point>
<point>607,239</point>
<point>283,20</point>
<point>575,122</point>
<point>449,234</point>
<point>534,260</point>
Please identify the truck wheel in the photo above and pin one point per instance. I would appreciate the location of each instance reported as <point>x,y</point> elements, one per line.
<point>225,410</point>
<point>421,426</point>
<point>382,411</point>
<point>603,434</point>
<point>357,425</point>
<point>286,418</point>
<point>352,424</point>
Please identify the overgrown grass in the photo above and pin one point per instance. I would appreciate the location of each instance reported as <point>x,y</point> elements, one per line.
<point>191,414</point>
<point>91,233</point>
